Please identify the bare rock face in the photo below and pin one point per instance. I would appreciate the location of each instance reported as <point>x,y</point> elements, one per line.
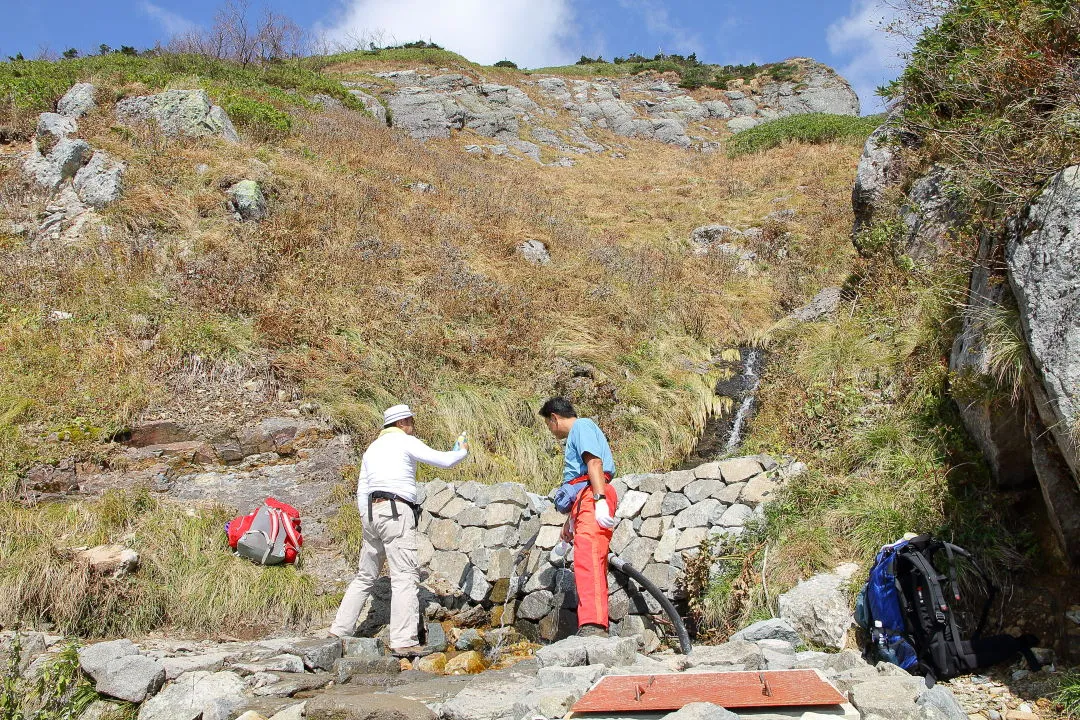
<point>180,112</point>
<point>996,424</point>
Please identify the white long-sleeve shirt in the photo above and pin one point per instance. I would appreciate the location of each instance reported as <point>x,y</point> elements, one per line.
<point>389,465</point>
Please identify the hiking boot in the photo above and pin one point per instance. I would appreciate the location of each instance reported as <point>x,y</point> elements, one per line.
<point>591,630</point>
<point>410,652</point>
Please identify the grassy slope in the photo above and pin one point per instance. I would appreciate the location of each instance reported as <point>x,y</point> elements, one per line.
<point>359,293</point>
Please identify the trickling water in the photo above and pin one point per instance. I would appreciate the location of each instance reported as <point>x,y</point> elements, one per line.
<point>752,380</point>
<point>511,592</point>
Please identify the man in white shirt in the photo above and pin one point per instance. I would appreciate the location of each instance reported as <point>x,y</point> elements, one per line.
<point>386,496</point>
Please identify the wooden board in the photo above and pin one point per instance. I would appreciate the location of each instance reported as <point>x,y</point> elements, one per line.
<point>768,688</point>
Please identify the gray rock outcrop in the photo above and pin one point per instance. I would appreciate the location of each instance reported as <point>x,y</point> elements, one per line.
<point>78,101</point>
<point>194,695</point>
<point>180,112</point>
<point>101,181</point>
<point>61,163</point>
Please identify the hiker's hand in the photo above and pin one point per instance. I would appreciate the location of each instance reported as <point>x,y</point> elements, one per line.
<point>567,534</point>
<point>603,514</point>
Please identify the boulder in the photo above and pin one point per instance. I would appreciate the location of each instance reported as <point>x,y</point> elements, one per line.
<point>880,167</point>
<point>194,695</point>
<point>941,698</point>
<point>100,181</point>
<point>741,123</point>
<point>78,101</point>
<point>180,112</point>
<point>177,666</point>
<point>94,659</point>
<point>52,128</point>
<point>114,560</point>
<point>707,236</point>
<point>132,678</point>
<point>890,698</point>
<point>736,516</point>
<point>60,164</point>
<point>316,653</point>
<point>818,610</point>
<point>759,489</point>
<point>536,605</point>
<point>775,629</point>
<point>702,489</point>
<point>371,103</point>
<point>487,698</point>
<point>247,200</point>
<point>699,514</point>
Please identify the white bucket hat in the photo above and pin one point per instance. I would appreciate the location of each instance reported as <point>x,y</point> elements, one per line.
<point>395,413</point>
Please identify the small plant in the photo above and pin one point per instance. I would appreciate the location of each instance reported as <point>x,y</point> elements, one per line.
<point>60,691</point>
<point>1067,697</point>
<point>506,64</point>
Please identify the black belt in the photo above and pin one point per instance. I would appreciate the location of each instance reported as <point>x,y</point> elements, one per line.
<point>380,496</point>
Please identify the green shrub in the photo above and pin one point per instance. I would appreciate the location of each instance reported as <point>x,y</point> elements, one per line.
<point>261,119</point>
<point>506,64</point>
<point>813,129</point>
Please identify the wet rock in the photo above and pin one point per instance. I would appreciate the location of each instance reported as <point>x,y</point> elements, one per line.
<point>352,704</point>
<point>346,668</point>
<point>467,663</point>
<point>536,605</point>
<point>316,653</point>
<point>434,663</point>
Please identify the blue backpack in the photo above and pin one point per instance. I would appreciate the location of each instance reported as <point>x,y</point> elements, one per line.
<point>906,610</point>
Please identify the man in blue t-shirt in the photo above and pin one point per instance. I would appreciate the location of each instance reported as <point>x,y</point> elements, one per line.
<point>589,466</point>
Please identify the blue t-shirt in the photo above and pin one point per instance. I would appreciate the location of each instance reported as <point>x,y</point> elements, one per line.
<point>585,437</point>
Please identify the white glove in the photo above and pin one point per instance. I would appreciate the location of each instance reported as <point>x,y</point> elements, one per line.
<point>603,514</point>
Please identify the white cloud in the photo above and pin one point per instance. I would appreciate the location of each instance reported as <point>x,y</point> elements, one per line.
<point>532,33</point>
<point>172,23</point>
<point>672,36</point>
<point>867,55</point>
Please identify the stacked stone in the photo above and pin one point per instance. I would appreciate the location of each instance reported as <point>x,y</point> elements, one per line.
<point>472,539</point>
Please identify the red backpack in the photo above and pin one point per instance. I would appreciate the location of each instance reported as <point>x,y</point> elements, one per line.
<point>268,536</point>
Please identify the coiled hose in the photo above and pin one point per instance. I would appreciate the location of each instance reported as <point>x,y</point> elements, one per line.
<point>669,609</point>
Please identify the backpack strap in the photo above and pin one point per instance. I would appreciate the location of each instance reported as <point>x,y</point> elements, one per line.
<point>991,588</point>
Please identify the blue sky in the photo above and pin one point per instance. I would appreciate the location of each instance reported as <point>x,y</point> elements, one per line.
<point>533,33</point>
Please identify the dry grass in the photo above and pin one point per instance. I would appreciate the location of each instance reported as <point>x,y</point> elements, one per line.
<point>363,293</point>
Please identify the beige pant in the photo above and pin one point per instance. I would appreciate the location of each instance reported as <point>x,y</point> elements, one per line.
<point>394,541</point>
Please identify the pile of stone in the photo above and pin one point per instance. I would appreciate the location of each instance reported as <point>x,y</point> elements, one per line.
<point>79,178</point>
<point>292,678</point>
<point>473,535</point>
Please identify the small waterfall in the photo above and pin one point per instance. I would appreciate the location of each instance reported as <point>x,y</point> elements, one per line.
<point>725,432</point>
<point>495,653</point>
<point>752,380</point>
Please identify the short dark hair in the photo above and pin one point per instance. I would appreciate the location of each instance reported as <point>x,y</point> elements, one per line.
<point>558,406</point>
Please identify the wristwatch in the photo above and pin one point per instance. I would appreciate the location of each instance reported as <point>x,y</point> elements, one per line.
<point>598,497</point>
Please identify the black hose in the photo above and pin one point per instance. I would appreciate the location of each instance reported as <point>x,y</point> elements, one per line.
<point>669,609</point>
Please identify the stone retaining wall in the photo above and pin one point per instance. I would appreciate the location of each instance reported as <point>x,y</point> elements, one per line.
<point>471,535</point>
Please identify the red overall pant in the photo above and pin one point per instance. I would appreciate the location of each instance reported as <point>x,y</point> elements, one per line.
<point>591,544</point>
